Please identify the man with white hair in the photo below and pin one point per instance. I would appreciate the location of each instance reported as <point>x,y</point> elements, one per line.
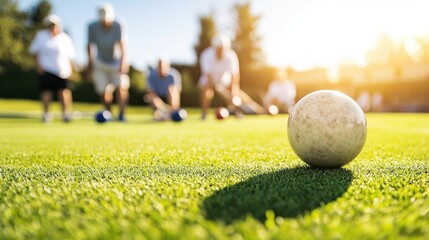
<point>109,68</point>
<point>220,72</point>
<point>55,53</point>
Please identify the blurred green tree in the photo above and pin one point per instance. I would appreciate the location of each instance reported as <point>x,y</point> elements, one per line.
<point>16,32</point>
<point>137,79</point>
<point>38,12</point>
<point>255,75</point>
<point>247,40</point>
<point>388,52</point>
<point>207,31</point>
<point>12,32</point>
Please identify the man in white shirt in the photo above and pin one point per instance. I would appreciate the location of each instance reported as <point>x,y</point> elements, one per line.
<point>281,93</point>
<point>54,52</point>
<point>220,71</point>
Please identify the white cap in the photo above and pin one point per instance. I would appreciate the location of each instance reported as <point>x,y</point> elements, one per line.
<point>106,12</point>
<point>221,40</point>
<point>164,59</point>
<point>52,19</point>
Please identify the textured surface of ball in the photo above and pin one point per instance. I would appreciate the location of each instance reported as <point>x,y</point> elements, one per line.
<point>327,129</point>
<point>221,113</point>
<point>179,115</point>
<point>103,116</point>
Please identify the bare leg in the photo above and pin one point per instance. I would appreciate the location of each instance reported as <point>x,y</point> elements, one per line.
<point>106,99</point>
<point>206,97</point>
<point>122,101</point>
<point>65,97</point>
<point>45,97</point>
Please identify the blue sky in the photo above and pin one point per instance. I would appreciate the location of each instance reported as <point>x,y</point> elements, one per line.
<point>297,33</point>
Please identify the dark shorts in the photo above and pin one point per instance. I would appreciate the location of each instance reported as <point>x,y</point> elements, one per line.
<point>164,98</point>
<point>51,82</point>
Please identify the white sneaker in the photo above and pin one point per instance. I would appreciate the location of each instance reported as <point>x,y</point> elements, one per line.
<point>47,118</point>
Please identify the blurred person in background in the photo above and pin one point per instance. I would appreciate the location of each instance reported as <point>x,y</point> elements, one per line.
<point>364,100</point>
<point>281,93</point>
<point>377,102</point>
<point>220,72</point>
<point>55,53</point>
<point>109,68</point>
<point>164,86</point>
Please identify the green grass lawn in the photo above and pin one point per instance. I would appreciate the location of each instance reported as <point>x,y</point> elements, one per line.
<point>231,179</point>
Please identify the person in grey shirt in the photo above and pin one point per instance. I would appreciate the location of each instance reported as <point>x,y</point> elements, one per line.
<point>109,68</point>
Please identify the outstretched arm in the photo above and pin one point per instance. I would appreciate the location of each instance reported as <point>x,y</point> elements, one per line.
<point>123,68</point>
<point>174,97</point>
<point>90,66</point>
<point>39,68</point>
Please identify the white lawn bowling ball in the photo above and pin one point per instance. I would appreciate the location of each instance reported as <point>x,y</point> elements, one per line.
<point>273,110</point>
<point>221,113</point>
<point>103,116</point>
<point>327,129</point>
<point>236,101</point>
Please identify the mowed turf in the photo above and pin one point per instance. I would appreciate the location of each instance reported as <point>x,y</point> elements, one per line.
<point>232,179</point>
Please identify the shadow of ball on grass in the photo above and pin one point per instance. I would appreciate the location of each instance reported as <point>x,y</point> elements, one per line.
<point>288,193</point>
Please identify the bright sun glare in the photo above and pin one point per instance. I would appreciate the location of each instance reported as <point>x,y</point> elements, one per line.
<point>333,32</point>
